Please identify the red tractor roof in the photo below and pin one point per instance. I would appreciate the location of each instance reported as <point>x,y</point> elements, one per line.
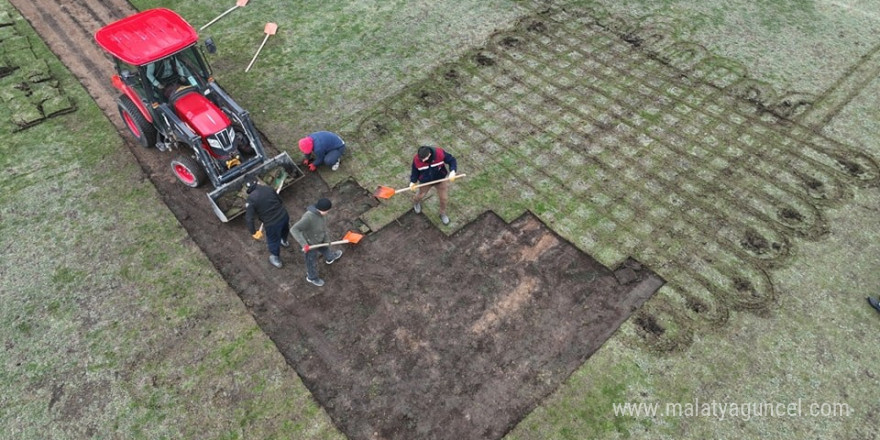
<point>146,36</point>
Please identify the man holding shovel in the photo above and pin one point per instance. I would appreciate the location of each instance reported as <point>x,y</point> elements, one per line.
<point>429,164</point>
<point>265,203</point>
<point>311,229</point>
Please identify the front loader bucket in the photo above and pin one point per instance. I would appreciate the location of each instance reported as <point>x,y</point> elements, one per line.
<point>229,200</point>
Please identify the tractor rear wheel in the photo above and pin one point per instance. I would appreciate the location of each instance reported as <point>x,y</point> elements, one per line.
<point>188,171</point>
<point>137,123</point>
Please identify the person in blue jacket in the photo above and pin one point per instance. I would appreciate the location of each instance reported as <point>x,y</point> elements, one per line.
<point>322,148</point>
<point>430,164</point>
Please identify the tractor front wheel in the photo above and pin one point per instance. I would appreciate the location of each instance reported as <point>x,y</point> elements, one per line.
<point>137,123</point>
<point>188,171</point>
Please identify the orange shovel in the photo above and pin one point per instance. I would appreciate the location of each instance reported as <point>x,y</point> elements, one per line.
<point>350,237</point>
<point>269,30</point>
<point>384,192</point>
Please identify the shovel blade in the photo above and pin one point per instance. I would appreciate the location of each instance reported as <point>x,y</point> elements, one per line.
<point>352,237</point>
<point>241,3</point>
<point>384,192</point>
<point>270,28</point>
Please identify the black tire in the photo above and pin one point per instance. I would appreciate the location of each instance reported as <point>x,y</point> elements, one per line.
<point>142,130</point>
<point>188,171</point>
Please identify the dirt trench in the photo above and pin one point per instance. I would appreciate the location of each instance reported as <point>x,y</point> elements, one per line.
<point>416,335</point>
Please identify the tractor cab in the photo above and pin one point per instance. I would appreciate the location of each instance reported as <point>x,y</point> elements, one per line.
<point>155,50</point>
<point>169,100</point>
<point>162,78</point>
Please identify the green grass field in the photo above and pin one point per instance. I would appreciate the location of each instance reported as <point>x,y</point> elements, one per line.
<point>117,326</point>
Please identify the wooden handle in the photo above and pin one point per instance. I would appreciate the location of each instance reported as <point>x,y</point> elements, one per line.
<point>332,243</point>
<point>257,54</point>
<point>219,17</point>
<point>429,183</point>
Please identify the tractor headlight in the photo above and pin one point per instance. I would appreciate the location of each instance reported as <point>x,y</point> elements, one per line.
<point>215,144</point>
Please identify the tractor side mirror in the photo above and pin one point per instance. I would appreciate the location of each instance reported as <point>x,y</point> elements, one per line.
<point>210,45</point>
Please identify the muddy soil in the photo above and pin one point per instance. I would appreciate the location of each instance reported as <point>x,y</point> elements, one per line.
<point>422,336</point>
<point>416,335</point>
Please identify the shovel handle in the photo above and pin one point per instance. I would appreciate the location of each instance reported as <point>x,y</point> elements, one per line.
<point>219,17</point>
<point>258,53</point>
<point>332,243</point>
<point>428,183</point>
<point>277,191</point>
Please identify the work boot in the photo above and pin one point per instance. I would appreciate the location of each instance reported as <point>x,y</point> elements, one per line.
<point>275,260</point>
<point>874,303</point>
<point>336,256</point>
<point>444,219</point>
<point>417,208</point>
<point>318,282</point>
<point>335,166</point>
<point>285,243</point>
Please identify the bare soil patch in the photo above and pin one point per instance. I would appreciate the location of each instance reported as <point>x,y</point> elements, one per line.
<point>416,334</point>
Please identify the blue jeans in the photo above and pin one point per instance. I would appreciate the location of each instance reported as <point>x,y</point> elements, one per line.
<point>333,156</point>
<point>277,232</point>
<point>312,260</point>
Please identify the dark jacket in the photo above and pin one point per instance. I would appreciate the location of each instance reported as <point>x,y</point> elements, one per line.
<point>311,228</point>
<point>324,142</point>
<point>266,204</point>
<point>434,168</point>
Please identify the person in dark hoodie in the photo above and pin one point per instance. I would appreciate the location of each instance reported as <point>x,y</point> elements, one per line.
<point>310,230</point>
<point>429,164</point>
<point>265,203</point>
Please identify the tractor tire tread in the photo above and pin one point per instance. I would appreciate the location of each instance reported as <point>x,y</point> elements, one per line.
<point>147,137</point>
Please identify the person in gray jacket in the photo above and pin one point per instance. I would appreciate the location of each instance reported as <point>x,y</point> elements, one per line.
<point>311,229</point>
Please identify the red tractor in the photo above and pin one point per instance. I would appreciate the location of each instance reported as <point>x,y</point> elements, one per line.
<point>171,101</point>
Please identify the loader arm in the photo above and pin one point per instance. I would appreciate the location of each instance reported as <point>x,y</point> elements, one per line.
<point>233,109</point>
